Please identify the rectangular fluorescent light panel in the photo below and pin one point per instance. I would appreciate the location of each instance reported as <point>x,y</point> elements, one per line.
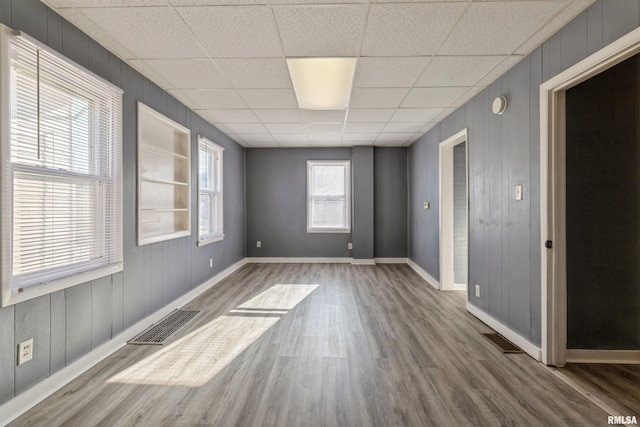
<point>322,83</point>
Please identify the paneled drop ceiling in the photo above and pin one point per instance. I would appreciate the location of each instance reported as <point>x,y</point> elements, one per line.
<point>225,59</point>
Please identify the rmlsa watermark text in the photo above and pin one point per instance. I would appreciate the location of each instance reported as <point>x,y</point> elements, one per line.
<point>622,419</point>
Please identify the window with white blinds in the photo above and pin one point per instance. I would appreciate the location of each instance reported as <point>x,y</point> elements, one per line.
<point>210,226</point>
<point>328,201</point>
<point>61,193</point>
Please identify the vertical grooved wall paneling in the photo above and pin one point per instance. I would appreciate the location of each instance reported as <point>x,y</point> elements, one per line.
<point>503,152</point>
<point>68,324</point>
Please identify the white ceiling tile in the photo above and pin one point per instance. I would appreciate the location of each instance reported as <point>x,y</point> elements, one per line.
<point>499,70</point>
<point>148,32</point>
<point>403,127</point>
<point>323,116</point>
<point>216,2</point>
<point>317,2</point>
<point>415,114</point>
<point>187,73</point>
<point>473,91</point>
<point>364,127</point>
<point>428,127</point>
<point>228,116</point>
<point>457,70</point>
<point>441,116</point>
<point>246,128</point>
<point>104,3</point>
<point>256,72</point>
<point>290,139</point>
<point>560,20</point>
<point>409,29</point>
<point>294,143</point>
<point>494,28</point>
<point>388,138</point>
<point>234,32</point>
<point>83,22</point>
<point>391,143</point>
<point>377,98</point>
<point>213,99</point>
<point>257,138</point>
<point>327,143</point>
<point>291,128</point>
<point>269,98</point>
<point>323,128</point>
<point>279,116</point>
<point>359,137</point>
<point>370,115</point>
<point>321,31</point>
<point>334,137</point>
<point>432,97</point>
<point>388,71</point>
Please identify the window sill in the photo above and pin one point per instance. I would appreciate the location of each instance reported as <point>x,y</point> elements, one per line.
<point>207,240</point>
<point>329,230</point>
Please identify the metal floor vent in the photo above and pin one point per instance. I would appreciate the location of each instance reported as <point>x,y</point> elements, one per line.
<point>159,333</point>
<point>502,343</point>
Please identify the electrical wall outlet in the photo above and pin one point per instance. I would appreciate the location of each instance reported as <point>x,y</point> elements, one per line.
<point>258,244</point>
<point>210,262</point>
<point>427,205</point>
<point>477,291</point>
<point>25,351</point>
<point>349,245</point>
<point>518,192</point>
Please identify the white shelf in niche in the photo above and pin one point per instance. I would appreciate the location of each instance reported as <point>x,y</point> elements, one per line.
<point>164,177</point>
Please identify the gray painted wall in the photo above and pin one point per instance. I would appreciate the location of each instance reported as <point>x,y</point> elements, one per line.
<point>390,199</point>
<point>504,248</point>
<point>68,324</point>
<point>277,203</point>
<point>363,207</point>
<point>603,210</point>
<point>460,217</point>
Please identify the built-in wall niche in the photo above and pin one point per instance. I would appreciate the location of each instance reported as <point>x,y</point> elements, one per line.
<point>164,177</point>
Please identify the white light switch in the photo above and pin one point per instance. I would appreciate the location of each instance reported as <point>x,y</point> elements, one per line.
<point>518,192</point>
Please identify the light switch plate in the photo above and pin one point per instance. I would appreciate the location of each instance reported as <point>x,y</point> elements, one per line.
<point>518,192</point>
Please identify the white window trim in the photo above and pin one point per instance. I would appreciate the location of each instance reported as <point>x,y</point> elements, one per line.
<point>212,238</point>
<point>347,165</point>
<point>9,297</point>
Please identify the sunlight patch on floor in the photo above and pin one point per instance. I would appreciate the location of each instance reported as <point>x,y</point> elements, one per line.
<point>196,358</point>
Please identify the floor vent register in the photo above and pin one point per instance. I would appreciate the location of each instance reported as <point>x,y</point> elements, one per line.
<point>159,333</point>
<point>502,343</point>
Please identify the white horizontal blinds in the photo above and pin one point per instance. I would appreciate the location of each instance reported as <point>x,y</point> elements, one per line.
<point>329,195</point>
<point>210,189</point>
<point>65,168</point>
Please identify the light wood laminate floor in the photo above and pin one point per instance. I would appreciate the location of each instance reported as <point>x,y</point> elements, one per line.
<point>320,345</point>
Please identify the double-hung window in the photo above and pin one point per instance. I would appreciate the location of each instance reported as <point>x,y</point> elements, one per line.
<point>61,171</point>
<point>210,191</point>
<point>328,201</point>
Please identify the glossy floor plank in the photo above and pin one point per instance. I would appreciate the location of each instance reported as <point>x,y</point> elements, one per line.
<point>320,345</point>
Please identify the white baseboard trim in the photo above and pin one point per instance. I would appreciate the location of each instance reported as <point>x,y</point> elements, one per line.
<point>298,260</point>
<point>513,336</point>
<point>422,273</point>
<point>392,260</point>
<point>363,262</point>
<point>459,287</point>
<point>36,394</point>
<point>603,356</point>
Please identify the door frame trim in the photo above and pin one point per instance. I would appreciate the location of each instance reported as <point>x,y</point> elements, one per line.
<point>445,199</point>
<point>552,189</point>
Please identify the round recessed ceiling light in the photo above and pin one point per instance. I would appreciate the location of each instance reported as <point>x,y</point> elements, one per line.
<point>499,105</point>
